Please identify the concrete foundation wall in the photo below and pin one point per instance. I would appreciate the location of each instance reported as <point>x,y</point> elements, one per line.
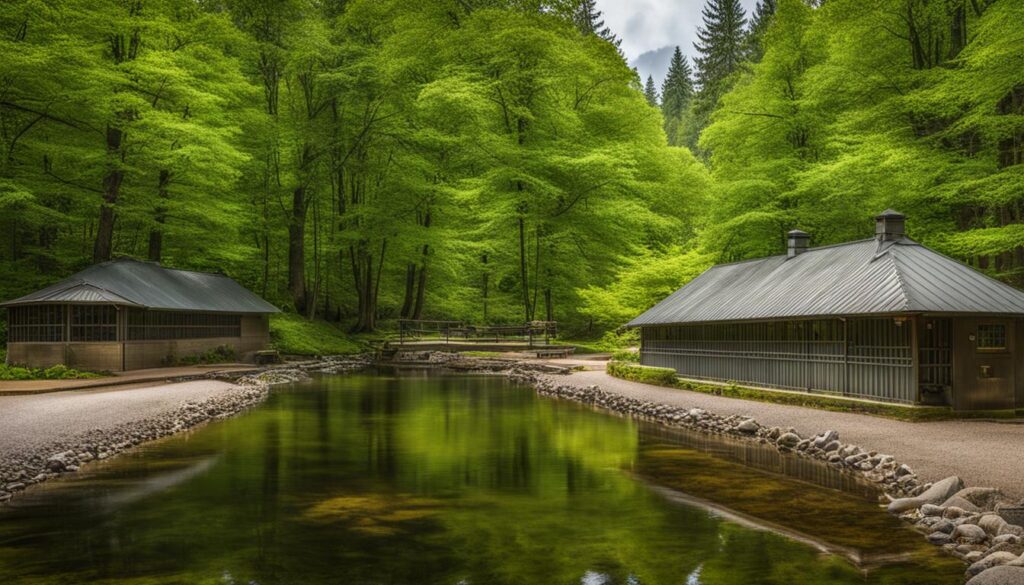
<point>255,336</point>
<point>35,355</point>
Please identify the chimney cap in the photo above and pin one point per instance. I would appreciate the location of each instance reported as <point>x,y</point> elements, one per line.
<point>890,214</point>
<point>798,234</point>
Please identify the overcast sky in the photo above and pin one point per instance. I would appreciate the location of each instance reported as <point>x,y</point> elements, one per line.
<point>650,25</point>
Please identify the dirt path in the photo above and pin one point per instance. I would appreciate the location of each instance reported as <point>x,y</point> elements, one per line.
<point>39,419</point>
<point>983,453</point>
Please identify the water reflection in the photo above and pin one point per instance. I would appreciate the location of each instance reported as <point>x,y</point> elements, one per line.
<point>429,479</point>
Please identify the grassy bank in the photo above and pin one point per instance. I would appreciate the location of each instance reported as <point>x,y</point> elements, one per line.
<point>667,377</point>
<point>295,335</point>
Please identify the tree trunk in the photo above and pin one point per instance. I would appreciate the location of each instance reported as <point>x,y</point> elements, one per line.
<point>421,288</point>
<point>522,269</point>
<point>410,290</point>
<point>104,244</point>
<point>958,29</point>
<point>156,234</point>
<point>486,283</point>
<point>297,250</point>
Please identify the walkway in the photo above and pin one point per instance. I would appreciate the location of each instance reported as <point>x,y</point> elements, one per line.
<point>150,376</point>
<point>28,422</point>
<point>983,453</point>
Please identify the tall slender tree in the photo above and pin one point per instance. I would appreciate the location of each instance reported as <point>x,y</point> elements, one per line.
<point>720,44</point>
<point>676,93</point>
<point>651,91</point>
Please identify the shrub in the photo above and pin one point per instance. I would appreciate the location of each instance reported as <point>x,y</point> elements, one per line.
<point>627,355</point>
<point>644,374</point>
<point>217,355</point>
<point>58,372</point>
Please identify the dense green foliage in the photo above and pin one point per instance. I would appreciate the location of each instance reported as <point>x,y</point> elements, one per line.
<point>495,160</point>
<point>293,335</point>
<point>58,372</point>
<point>351,160</point>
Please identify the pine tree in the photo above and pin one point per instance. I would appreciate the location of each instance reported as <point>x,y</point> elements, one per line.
<point>720,44</point>
<point>651,92</point>
<point>588,20</point>
<point>759,21</point>
<point>676,93</point>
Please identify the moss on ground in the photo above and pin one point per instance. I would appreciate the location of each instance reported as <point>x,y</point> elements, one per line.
<point>295,335</point>
<point>667,377</point>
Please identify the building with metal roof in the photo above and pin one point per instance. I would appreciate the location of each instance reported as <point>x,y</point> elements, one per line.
<point>127,314</point>
<point>883,319</point>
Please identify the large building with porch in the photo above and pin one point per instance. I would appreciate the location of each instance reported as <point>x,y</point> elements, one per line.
<point>882,319</point>
<point>126,314</point>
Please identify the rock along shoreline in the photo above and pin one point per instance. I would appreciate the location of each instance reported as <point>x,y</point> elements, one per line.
<point>20,470</point>
<point>967,522</point>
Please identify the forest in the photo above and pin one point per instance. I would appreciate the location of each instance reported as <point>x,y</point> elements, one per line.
<point>496,161</point>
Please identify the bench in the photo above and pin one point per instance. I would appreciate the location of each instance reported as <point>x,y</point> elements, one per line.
<point>556,352</point>
<point>267,356</point>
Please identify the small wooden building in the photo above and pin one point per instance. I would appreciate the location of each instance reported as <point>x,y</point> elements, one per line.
<point>881,319</point>
<point>127,314</point>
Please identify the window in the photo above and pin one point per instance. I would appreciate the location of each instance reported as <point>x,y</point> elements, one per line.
<point>992,336</point>
<point>37,323</point>
<point>159,325</point>
<point>93,323</point>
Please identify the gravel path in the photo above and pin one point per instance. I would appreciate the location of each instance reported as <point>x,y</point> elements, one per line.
<point>35,420</point>
<point>983,453</point>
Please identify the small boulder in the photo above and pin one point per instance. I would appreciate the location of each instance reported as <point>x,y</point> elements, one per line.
<point>982,497</point>
<point>940,491</point>
<point>999,575</point>
<point>939,538</point>
<point>961,503</point>
<point>932,510</point>
<point>788,440</point>
<point>748,426</point>
<point>970,534</point>
<point>992,524</point>
<point>992,560</point>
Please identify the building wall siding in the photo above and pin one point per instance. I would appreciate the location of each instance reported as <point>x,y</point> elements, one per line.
<point>138,354</point>
<point>861,358</point>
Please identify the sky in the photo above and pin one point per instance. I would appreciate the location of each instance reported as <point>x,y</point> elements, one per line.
<point>650,29</point>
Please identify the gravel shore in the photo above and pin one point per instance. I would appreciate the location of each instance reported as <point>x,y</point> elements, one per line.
<point>981,452</point>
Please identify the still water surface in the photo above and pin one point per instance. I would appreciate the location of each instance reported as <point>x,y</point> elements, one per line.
<point>421,478</point>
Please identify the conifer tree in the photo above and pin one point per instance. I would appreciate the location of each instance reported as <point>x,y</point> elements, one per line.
<point>676,93</point>
<point>720,44</point>
<point>588,20</point>
<point>759,21</point>
<point>651,92</point>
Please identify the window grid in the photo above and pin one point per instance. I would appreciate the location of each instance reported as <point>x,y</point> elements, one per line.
<point>162,325</point>
<point>37,323</point>
<point>992,336</point>
<point>93,323</point>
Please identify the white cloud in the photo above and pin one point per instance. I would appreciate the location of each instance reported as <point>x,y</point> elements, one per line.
<point>647,25</point>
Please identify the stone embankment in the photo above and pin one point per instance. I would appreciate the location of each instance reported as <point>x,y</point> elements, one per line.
<point>967,522</point>
<point>41,462</point>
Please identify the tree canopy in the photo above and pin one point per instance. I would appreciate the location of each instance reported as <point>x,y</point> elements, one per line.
<point>496,160</point>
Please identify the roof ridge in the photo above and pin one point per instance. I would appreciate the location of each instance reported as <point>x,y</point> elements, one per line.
<point>808,250</point>
<point>900,284</point>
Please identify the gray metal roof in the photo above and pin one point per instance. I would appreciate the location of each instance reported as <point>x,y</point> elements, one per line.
<point>147,284</point>
<point>856,278</point>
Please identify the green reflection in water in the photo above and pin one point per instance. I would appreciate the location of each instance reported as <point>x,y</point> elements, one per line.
<point>426,479</point>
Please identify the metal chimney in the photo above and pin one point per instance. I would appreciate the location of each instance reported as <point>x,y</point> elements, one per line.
<point>796,243</point>
<point>890,226</point>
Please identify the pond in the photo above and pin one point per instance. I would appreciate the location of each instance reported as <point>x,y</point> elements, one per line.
<point>417,477</point>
